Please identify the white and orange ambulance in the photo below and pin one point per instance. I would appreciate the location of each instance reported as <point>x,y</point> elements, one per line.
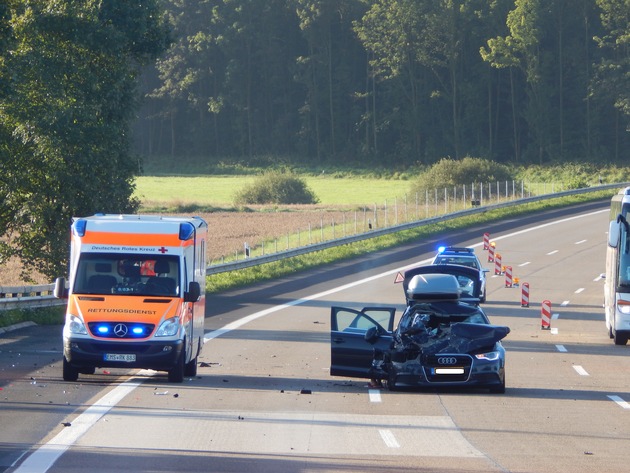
<point>136,294</point>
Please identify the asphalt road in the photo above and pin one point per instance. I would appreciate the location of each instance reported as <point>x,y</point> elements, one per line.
<point>263,399</point>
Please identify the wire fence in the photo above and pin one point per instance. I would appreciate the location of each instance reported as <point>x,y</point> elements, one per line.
<point>393,212</point>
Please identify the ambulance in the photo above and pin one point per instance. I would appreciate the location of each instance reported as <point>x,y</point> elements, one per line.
<point>136,294</point>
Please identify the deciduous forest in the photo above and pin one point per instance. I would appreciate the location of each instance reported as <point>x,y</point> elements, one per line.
<point>392,82</point>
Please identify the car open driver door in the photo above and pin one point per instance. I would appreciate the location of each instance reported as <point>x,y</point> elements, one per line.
<point>352,351</point>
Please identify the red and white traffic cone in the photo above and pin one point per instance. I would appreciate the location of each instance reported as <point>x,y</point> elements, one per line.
<point>545,315</point>
<point>525,295</point>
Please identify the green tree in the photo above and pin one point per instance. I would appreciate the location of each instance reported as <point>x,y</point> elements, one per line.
<point>332,67</point>
<point>421,52</point>
<point>521,50</point>
<point>226,87</point>
<point>447,173</point>
<point>66,115</point>
<point>276,187</point>
<point>613,80</point>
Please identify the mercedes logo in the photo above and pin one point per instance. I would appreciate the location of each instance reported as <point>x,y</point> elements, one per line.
<point>447,360</point>
<point>120,330</point>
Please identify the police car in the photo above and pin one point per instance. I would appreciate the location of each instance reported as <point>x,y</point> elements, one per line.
<point>463,257</point>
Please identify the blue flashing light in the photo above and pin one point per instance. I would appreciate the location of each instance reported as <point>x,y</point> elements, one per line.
<point>441,249</point>
<point>79,227</point>
<point>137,330</point>
<point>103,329</point>
<point>186,231</point>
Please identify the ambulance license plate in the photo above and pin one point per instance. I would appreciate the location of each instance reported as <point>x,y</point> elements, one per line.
<point>120,357</point>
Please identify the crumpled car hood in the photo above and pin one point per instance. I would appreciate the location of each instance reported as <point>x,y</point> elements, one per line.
<point>459,337</point>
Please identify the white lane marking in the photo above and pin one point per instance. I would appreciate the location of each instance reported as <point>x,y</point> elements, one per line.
<point>388,438</point>
<point>599,278</point>
<point>554,331</point>
<point>45,456</point>
<point>580,242</point>
<point>581,371</point>
<point>333,434</point>
<point>564,303</point>
<point>619,401</point>
<point>579,290</point>
<point>552,252</point>
<point>544,225</point>
<point>524,264</point>
<point>119,392</point>
<point>257,315</point>
<point>555,316</point>
<point>561,348</point>
<point>375,395</point>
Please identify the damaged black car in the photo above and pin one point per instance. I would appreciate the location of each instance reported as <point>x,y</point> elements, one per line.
<point>441,340</point>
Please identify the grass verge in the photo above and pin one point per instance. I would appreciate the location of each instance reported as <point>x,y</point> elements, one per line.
<point>41,316</point>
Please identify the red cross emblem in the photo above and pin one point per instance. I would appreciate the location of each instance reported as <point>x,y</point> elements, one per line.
<point>162,250</point>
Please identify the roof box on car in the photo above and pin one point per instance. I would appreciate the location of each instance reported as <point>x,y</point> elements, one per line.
<point>433,287</point>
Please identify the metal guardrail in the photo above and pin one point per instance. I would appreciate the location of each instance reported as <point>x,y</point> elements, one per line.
<point>27,297</point>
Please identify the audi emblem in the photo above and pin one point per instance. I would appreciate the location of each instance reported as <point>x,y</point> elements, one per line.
<point>120,330</point>
<point>447,360</point>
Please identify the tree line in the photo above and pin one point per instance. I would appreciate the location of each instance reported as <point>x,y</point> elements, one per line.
<point>392,82</point>
<point>68,96</point>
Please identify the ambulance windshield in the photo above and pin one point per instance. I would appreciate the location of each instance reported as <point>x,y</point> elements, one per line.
<point>127,274</point>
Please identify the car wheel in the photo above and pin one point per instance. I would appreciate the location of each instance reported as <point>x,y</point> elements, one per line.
<point>191,368</point>
<point>70,373</point>
<point>619,339</point>
<point>498,389</point>
<point>176,374</point>
<point>391,382</point>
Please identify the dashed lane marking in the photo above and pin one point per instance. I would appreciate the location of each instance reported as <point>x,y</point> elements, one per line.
<point>375,395</point>
<point>389,438</point>
<point>620,402</point>
<point>581,371</point>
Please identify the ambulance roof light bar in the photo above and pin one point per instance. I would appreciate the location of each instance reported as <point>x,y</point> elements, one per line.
<point>78,227</point>
<point>186,231</point>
